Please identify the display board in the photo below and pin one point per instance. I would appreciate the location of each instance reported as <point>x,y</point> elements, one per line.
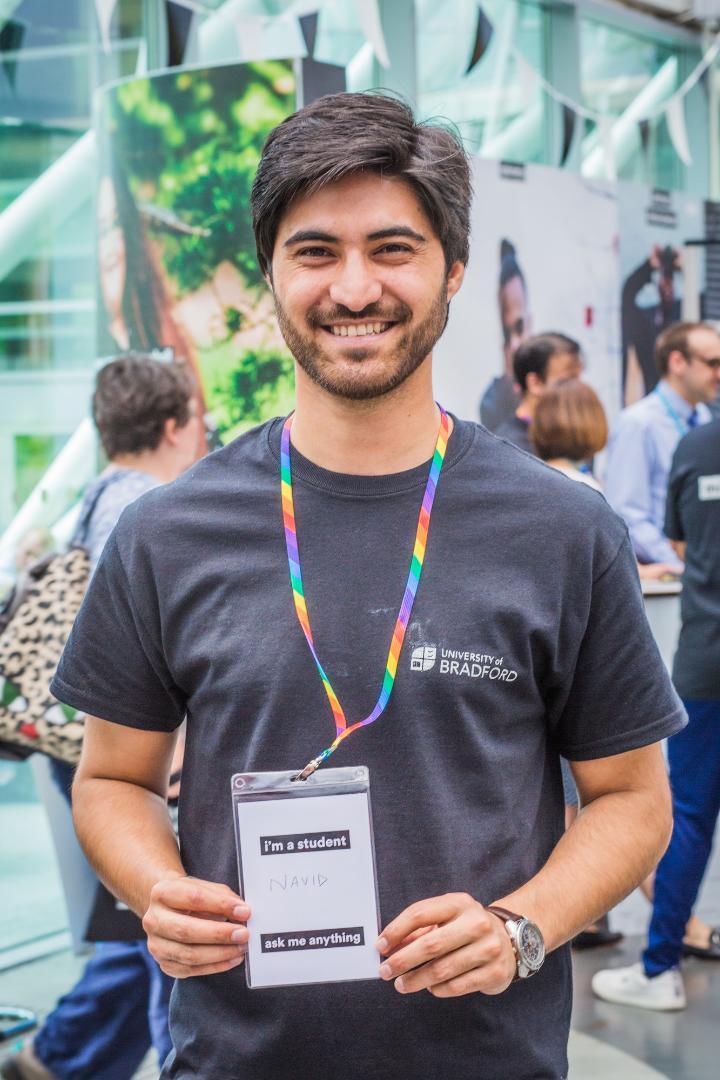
<point>654,226</point>
<point>544,256</point>
<point>176,254</point>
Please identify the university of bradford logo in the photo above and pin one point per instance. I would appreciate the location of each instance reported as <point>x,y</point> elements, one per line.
<point>423,658</point>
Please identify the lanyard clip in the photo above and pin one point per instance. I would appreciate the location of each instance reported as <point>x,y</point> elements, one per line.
<point>310,768</point>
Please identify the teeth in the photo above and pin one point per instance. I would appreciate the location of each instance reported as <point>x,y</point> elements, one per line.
<point>357,329</point>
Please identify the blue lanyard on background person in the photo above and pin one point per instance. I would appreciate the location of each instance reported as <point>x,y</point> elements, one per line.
<point>682,425</point>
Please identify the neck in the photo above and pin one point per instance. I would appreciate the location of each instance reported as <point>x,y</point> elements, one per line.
<point>675,384</point>
<point>376,437</point>
<point>149,462</point>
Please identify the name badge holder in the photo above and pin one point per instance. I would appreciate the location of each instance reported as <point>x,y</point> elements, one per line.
<point>306,864</point>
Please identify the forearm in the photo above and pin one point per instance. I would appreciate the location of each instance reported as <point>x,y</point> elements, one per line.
<point>650,543</point>
<point>611,847</point>
<point>126,833</point>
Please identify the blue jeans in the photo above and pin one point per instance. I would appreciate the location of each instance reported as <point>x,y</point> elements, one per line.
<point>103,1027</point>
<point>694,759</point>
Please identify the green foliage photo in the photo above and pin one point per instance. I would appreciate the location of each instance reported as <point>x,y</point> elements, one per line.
<point>190,142</point>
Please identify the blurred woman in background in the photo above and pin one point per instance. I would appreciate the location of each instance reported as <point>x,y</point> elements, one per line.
<point>569,427</point>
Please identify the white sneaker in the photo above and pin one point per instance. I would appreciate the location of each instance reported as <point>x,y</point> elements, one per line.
<point>631,986</point>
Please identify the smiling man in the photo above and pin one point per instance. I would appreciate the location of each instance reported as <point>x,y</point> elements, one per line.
<point>498,661</point>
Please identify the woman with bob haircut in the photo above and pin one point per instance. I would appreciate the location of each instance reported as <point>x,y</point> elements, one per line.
<point>569,427</point>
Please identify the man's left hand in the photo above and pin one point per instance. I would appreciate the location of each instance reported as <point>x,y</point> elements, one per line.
<point>450,945</point>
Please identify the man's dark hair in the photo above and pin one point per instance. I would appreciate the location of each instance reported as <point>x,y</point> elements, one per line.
<point>534,355</point>
<point>342,134</point>
<point>134,396</point>
<point>675,338</point>
<point>509,265</point>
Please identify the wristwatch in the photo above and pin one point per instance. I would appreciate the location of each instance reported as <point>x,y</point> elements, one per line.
<point>527,941</point>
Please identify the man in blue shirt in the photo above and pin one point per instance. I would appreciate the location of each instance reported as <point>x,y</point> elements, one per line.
<point>644,438</point>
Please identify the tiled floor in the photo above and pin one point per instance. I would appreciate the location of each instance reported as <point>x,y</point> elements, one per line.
<point>609,1042</point>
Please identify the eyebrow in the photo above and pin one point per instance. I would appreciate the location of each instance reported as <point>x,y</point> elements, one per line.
<point>304,236</point>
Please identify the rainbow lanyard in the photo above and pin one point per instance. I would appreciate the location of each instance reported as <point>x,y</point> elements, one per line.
<point>342,729</point>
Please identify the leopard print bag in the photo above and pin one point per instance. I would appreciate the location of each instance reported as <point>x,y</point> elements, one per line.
<point>34,627</point>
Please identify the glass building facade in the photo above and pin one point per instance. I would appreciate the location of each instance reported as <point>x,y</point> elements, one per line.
<point>491,70</point>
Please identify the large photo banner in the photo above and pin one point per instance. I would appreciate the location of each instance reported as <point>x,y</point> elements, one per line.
<point>655,227</point>
<point>544,257</point>
<point>176,254</point>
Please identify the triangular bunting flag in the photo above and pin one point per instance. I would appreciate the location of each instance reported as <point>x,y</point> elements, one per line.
<point>605,131</point>
<point>250,31</point>
<point>569,118</point>
<point>255,43</point>
<point>368,12</point>
<point>309,25</point>
<point>179,25</point>
<point>644,129</point>
<point>483,35</point>
<point>675,116</point>
<point>11,37</point>
<point>104,10</point>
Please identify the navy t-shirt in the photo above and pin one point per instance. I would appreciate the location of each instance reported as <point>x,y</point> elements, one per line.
<point>517,431</point>
<point>692,514</point>
<point>528,639</point>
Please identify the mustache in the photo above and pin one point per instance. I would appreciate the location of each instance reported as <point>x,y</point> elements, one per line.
<point>318,317</point>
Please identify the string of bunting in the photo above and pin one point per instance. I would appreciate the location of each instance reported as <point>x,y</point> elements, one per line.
<point>253,30</point>
<point>257,34</point>
<point>530,80</point>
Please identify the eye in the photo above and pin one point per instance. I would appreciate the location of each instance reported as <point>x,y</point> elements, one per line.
<point>314,253</point>
<point>394,249</point>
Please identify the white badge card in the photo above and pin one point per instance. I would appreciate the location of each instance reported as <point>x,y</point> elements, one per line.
<point>306,862</point>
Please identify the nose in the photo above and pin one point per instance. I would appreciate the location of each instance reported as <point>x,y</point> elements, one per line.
<point>355,284</point>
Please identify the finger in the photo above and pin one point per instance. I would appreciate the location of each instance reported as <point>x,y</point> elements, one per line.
<point>425,913</point>
<point>192,929</point>
<point>449,967</point>
<point>193,956</point>
<point>179,971</point>
<point>431,946</point>
<point>490,979</point>
<point>193,895</point>
<point>414,936</point>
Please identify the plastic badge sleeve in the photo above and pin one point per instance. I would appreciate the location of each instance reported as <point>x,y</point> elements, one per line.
<point>306,864</point>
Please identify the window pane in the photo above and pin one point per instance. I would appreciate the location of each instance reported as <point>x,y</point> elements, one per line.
<point>627,75</point>
<point>497,112</point>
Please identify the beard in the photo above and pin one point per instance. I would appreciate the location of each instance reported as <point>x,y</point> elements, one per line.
<point>353,374</point>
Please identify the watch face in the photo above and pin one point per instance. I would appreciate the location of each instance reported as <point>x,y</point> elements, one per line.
<point>531,945</point>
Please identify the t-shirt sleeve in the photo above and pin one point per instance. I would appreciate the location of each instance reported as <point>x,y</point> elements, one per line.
<point>112,666</point>
<point>620,696</point>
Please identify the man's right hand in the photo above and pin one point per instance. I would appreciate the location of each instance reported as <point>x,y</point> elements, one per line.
<point>195,927</point>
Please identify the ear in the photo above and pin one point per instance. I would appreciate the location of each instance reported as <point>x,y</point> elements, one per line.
<point>269,281</point>
<point>534,384</point>
<point>677,362</point>
<point>170,431</point>
<point>455,279</point>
